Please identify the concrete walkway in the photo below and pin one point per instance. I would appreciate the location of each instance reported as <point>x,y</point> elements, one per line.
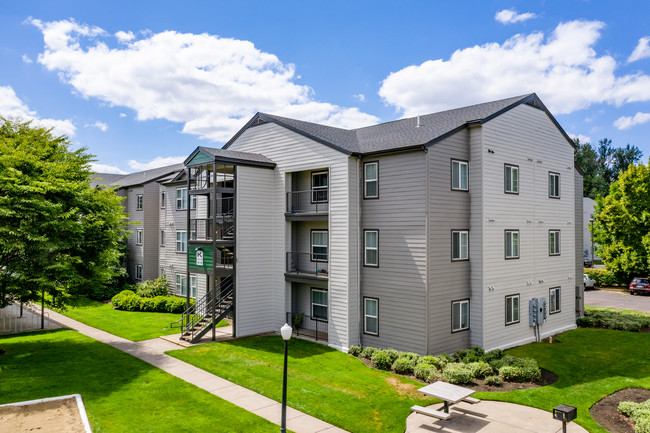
<point>153,352</point>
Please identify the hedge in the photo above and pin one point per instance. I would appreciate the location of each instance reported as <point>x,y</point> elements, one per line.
<point>129,301</point>
<point>604,278</point>
<point>612,319</point>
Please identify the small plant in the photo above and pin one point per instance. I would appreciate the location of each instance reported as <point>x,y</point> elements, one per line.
<point>392,354</point>
<point>355,351</point>
<point>493,355</point>
<point>153,288</point>
<point>493,380</point>
<point>426,372</point>
<point>639,412</point>
<point>367,352</point>
<point>473,354</point>
<point>410,355</point>
<point>458,373</point>
<point>403,365</point>
<point>480,369</point>
<point>444,358</point>
<point>381,360</point>
<point>503,361</point>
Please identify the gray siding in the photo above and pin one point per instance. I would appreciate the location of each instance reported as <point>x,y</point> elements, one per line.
<point>136,217</point>
<point>400,280</point>
<point>579,232</point>
<point>151,235</point>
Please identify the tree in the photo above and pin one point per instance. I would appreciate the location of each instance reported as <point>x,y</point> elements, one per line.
<point>603,164</point>
<point>57,234</point>
<point>622,223</point>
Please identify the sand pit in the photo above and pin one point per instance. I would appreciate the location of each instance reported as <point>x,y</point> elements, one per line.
<point>56,415</point>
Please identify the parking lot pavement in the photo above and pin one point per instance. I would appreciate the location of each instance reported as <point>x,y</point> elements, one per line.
<point>615,299</point>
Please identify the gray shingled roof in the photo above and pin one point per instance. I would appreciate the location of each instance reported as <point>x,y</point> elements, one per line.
<point>236,155</point>
<point>104,179</point>
<point>142,177</point>
<point>398,134</point>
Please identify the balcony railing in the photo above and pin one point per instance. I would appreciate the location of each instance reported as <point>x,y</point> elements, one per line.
<point>305,325</point>
<point>311,201</point>
<point>201,229</point>
<point>307,263</point>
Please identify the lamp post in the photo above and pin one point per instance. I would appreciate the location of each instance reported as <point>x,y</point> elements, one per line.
<point>591,230</point>
<point>286,335</point>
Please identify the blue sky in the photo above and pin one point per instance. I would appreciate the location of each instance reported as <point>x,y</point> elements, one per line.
<point>141,84</point>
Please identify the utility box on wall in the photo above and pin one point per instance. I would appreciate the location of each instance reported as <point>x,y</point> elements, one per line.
<point>537,311</point>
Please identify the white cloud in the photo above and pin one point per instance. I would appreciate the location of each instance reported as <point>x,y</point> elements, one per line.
<point>361,97</point>
<point>11,106</point>
<point>509,16</point>
<point>26,59</point>
<point>104,168</point>
<point>99,125</point>
<point>563,68</point>
<point>158,161</point>
<point>641,51</point>
<point>626,122</point>
<point>583,138</point>
<point>124,37</point>
<point>210,84</point>
<point>122,114</point>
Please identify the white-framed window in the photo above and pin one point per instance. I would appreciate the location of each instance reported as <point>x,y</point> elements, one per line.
<point>138,237</point>
<point>162,238</point>
<point>181,198</point>
<point>511,179</point>
<point>459,175</point>
<point>512,309</point>
<point>553,242</point>
<point>319,304</point>
<point>181,241</point>
<point>554,185</point>
<point>371,316</point>
<point>512,244</point>
<point>371,180</point>
<point>554,303</point>
<point>138,202</point>
<point>371,247</point>
<point>181,284</point>
<point>163,199</point>
<point>193,201</point>
<point>460,315</point>
<point>460,245</point>
<point>319,187</point>
<point>193,285</point>
<point>138,272</point>
<point>319,245</point>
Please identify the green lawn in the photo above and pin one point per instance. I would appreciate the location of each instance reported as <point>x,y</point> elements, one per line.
<point>590,363</point>
<point>132,325</point>
<point>323,382</point>
<point>121,393</point>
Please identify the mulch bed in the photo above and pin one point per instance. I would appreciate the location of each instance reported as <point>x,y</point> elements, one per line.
<point>606,413</point>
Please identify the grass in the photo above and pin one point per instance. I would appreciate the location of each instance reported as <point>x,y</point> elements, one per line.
<point>132,325</point>
<point>325,383</point>
<point>121,393</point>
<point>590,363</point>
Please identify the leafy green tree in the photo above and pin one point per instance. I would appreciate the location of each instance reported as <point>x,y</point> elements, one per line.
<point>603,164</point>
<point>57,234</point>
<point>622,223</point>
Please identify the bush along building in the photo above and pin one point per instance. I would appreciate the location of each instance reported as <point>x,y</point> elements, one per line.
<point>425,234</point>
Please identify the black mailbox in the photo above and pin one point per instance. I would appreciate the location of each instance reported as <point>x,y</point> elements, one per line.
<point>565,413</point>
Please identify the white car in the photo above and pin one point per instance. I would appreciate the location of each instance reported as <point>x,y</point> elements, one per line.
<point>589,283</point>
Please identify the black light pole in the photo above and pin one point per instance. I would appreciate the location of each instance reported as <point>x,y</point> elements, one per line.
<point>286,335</point>
<point>591,230</point>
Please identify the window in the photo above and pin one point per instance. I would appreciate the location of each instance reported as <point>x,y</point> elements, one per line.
<point>553,242</point>
<point>371,180</point>
<point>138,272</point>
<point>512,309</point>
<point>181,285</point>
<point>181,198</point>
<point>319,187</point>
<point>138,237</point>
<point>319,245</point>
<point>193,284</point>
<point>554,185</point>
<point>460,245</point>
<point>371,316</point>
<point>181,241</point>
<point>193,202</point>
<point>554,304</point>
<point>459,315</point>
<point>162,238</point>
<point>138,202</point>
<point>459,175</point>
<point>512,244</point>
<point>512,179</point>
<point>319,304</point>
<point>371,248</point>
<point>163,199</point>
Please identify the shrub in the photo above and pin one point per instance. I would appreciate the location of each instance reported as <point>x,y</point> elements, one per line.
<point>355,350</point>
<point>426,372</point>
<point>153,288</point>
<point>480,369</point>
<point>175,304</point>
<point>493,355</point>
<point>493,380</point>
<point>392,355</point>
<point>508,360</point>
<point>457,373</point>
<point>129,301</point>
<point>510,373</point>
<point>403,365</point>
<point>147,304</point>
<point>444,358</point>
<point>526,370</point>
<point>605,278</point>
<point>410,355</point>
<point>473,354</point>
<point>367,352</point>
<point>613,319</point>
<point>160,303</point>
<point>639,412</point>
<point>381,360</point>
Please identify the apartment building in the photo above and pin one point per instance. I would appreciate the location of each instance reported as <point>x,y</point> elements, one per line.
<point>426,234</point>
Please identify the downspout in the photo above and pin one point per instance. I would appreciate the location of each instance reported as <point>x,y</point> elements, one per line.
<point>426,248</point>
<point>359,251</point>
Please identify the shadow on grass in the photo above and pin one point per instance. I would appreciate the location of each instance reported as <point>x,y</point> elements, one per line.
<point>270,344</point>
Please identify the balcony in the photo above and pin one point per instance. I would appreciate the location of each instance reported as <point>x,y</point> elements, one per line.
<point>302,267</point>
<point>312,205</point>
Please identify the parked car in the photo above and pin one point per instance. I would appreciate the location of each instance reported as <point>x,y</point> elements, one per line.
<point>588,263</point>
<point>639,285</point>
<point>589,283</point>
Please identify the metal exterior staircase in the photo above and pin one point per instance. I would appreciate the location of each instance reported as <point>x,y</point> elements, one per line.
<point>206,313</point>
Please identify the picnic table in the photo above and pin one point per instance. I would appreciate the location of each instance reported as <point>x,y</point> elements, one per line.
<point>448,393</point>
